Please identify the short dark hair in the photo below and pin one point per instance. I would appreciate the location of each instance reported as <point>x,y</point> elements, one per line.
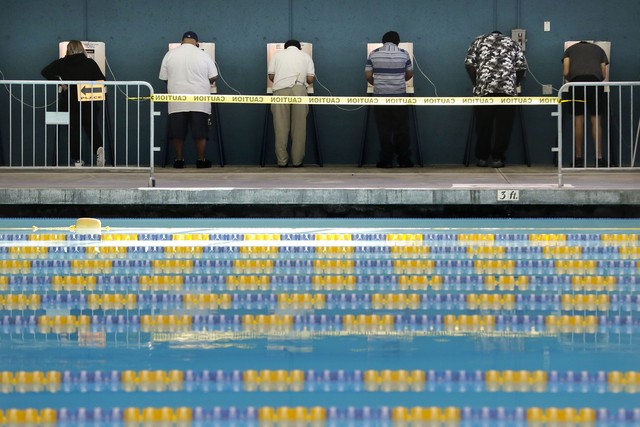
<point>391,37</point>
<point>295,43</point>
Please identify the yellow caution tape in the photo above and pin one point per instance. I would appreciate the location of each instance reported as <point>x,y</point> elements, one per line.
<point>356,100</point>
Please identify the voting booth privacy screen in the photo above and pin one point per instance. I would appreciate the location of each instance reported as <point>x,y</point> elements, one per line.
<point>272,48</point>
<point>95,51</point>
<point>606,46</point>
<point>408,46</point>
<point>209,49</point>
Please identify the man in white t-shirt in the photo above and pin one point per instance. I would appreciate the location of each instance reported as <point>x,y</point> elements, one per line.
<point>189,70</point>
<point>291,70</point>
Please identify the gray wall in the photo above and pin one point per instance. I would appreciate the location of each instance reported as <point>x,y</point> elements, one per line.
<point>137,33</point>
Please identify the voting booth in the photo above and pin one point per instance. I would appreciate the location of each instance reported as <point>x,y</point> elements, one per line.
<point>272,49</point>
<point>566,95</point>
<point>604,45</point>
<point>91,91</point>
<point>408,47</point>
<point>95,51</point>
<point>209,49</point>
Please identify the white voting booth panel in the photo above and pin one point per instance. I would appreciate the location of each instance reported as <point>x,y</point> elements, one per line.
<point>95,51</point>
<point>408,46</point>
<point>606,46</point>
<point>209,49</point>
<point>272,48</point>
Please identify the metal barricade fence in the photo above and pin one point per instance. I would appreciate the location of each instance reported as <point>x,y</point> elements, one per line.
<point>598,127</point>
<point>62,124</point>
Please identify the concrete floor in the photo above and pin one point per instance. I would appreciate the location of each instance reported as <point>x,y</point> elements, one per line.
<point>516,185</point>
<point>432,177</point>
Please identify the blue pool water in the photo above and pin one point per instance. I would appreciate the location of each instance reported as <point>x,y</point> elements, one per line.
<point>367,321</point>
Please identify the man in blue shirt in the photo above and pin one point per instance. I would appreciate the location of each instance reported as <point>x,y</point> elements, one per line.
<point>387,69</point>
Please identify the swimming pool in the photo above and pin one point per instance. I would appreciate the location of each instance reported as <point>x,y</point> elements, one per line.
<point>336,322</point>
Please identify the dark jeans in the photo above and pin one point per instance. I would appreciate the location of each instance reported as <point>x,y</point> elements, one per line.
<point>393,130</point>
<point>89,116</point>
<point>496,121</point>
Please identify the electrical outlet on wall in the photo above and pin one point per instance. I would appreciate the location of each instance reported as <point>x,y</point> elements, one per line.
<point>519,35</point>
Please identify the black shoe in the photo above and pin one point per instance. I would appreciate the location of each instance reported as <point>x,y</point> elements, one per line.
<point>407,164</point>
<point>602,163</point>
<point>578,162</point>
<point>202,164</point>
<point>482,163</point>
<point>178,163</point>
<point>297,166</point>
<point>384,165</point>
<point>497,164</point>
<point>283,166</point>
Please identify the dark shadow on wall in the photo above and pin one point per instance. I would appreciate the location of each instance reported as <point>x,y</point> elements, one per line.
<point>320,211</point>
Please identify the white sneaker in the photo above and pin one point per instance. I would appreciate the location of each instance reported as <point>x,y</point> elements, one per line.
<point>79,163</point>
<point>100,157</point>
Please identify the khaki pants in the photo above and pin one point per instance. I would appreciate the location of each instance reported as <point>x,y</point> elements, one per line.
<point>290,117</point>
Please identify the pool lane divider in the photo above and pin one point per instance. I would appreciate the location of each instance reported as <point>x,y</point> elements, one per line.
<point>109,234</point>
<point>267,415</point>
<point>302,302</point>
<point>168,327</point>
<point>279,380</point>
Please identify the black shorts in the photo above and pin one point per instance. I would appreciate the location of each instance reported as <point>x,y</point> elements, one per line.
<point>179,123</point>
<point>585,98</point>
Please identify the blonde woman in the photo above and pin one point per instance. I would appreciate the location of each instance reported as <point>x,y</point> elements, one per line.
<point>77,66</point>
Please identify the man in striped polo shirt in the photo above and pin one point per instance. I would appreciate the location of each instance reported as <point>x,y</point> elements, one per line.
<point>387,69</point>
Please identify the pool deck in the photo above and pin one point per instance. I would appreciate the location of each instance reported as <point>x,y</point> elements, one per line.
<point>329,190</point>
